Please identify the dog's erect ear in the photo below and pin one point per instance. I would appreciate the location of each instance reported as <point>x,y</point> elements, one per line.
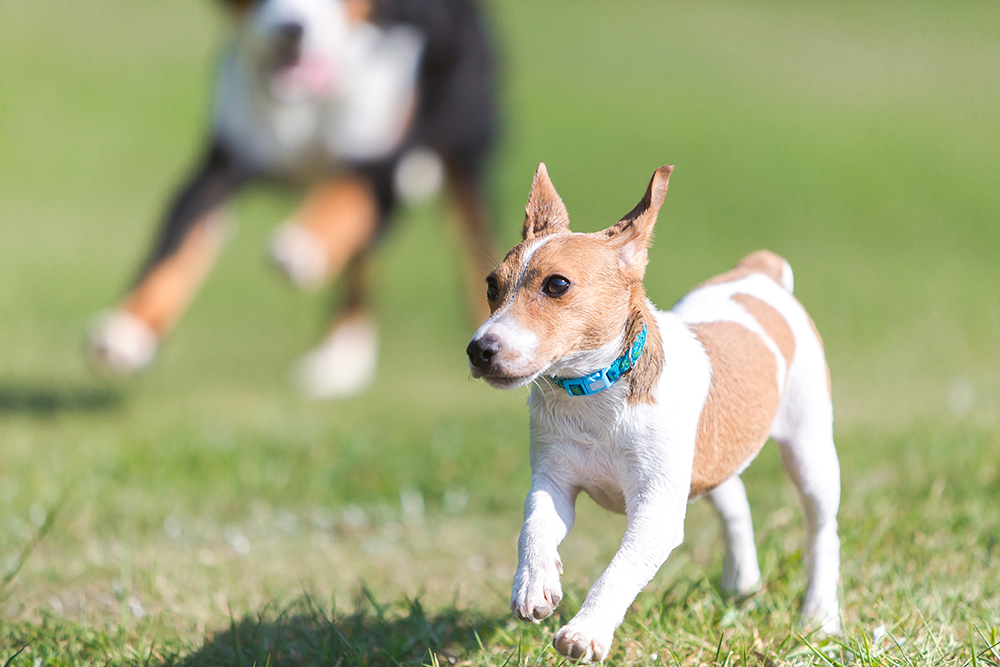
<point>635,231</point>
<point>545,212</point>
<point>240,6</point>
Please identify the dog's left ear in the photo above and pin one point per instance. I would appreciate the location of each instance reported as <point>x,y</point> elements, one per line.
<point>634,232</point>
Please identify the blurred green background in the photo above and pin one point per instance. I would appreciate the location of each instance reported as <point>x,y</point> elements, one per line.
<point>859,140</point>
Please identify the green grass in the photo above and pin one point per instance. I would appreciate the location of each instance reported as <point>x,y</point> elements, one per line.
<point>210,517</point>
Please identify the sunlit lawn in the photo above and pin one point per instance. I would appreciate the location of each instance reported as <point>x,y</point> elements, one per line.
<point>203,514</point>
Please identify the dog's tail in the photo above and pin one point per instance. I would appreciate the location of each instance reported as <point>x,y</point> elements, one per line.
<point>771,265</point>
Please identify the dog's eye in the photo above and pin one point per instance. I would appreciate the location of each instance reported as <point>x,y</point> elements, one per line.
<point>492,291</point>
<point>555,285</point>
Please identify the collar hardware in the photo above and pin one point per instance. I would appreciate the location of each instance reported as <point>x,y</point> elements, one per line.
<point>600,380</point>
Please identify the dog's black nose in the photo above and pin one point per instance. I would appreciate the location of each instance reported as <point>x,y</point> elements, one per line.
<point>290,31</point>
<point>482,350</point>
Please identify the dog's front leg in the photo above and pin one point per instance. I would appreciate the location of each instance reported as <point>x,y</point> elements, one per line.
<point>548,515</point>
<point>655,528</point>
<point>127,338</point>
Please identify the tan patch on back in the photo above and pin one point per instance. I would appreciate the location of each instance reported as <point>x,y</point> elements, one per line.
<point>772,322</point>
<point>343,215</point>
<point>741,405</point>
<point>761,261</point>
<point>166,290</point>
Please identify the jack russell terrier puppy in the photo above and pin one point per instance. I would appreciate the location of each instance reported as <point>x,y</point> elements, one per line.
<point>647,410</point>
<point>357,101</point>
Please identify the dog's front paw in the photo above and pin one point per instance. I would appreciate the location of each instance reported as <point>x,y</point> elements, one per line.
<point>300,254</point>
<point>583,642</point>
<point>537,590</point>
<point>342,365</point>
<point>121,343</point>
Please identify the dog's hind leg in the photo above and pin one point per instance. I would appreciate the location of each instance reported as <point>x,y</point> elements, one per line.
<point>126,339</point>
<point>331,234</point>
<point>740,571</point>
<point>345,361</point>
<point>804,431</point>
<point>480,254</point>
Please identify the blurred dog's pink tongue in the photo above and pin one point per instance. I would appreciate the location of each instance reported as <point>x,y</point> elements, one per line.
<point>310,77</point>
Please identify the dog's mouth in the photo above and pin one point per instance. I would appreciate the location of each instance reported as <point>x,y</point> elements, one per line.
<point>501,381</point>
<point>300,76</point>
<point>498,382</point>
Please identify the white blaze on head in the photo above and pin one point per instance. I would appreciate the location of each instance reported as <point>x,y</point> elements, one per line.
<point>518,344</point>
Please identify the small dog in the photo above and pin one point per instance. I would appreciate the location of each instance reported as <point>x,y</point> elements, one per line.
<point>647,410</point>
<point>357,101</point>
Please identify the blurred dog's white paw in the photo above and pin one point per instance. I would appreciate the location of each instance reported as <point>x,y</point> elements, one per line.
<point>121,343</point>
<point>583,641</point>
<point>419,175</point>
<point>300,255</point>
<point>342,365</point>
<point>537,590</point>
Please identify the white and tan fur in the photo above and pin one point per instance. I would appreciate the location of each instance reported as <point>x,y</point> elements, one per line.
<point>736,361</point>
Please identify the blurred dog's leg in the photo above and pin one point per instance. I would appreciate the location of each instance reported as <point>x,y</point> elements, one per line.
<point>126,339</point>
<point>344,363</point>
<point>338,220</point>
<point>480,254</point>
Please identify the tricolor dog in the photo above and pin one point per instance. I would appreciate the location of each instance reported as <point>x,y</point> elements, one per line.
<point>646,410</point>
<point>358,102</point>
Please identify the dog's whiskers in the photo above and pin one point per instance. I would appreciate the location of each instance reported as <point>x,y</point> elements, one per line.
<point>488,256</point>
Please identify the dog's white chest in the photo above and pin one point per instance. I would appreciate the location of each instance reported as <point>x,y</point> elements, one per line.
<point>598,470</point>
<point>610,448</point>
<point>586,441</point>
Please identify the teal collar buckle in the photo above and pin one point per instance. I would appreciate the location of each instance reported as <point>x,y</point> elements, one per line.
<point>600,380</point>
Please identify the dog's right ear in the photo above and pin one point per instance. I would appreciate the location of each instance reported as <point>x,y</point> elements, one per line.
<point>545,212</point>
<point>239,6</point>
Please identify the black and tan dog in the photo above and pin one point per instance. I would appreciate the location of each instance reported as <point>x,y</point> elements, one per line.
<point>360,102</point>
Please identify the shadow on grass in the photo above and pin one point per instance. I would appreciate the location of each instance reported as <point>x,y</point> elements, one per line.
<point>371,635</point>
<point>48,401</point>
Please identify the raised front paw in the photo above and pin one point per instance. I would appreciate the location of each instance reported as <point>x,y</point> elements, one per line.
<point>537,590</point>
<point>583,642</point>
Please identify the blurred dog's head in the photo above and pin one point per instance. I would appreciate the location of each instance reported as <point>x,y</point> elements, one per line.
<point>297,48</point>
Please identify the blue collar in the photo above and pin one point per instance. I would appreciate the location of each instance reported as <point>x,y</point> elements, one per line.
<point>600,380</point>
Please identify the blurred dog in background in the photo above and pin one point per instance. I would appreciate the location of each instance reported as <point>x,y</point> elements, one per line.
<point>360,102</point>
